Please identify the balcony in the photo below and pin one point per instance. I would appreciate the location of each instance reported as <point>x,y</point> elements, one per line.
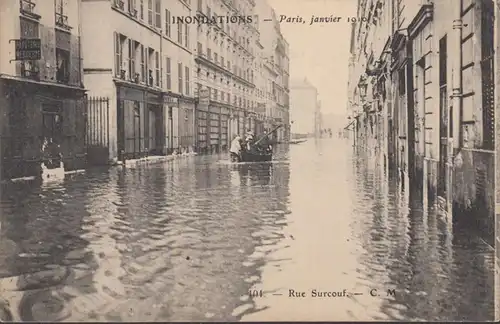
<point>120,4</point>
<point>62,21</point>
<point>27,8</point>
<point>132,12</point>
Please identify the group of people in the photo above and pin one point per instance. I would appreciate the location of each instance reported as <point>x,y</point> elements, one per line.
<point>249,144</point>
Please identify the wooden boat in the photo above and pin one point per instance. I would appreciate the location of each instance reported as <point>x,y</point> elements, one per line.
<point>256,156</point>
<point>296,141</point>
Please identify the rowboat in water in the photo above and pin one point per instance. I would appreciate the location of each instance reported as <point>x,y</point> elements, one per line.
<point>256,156</point>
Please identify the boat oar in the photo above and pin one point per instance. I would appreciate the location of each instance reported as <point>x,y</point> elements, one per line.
<point>260,139</point>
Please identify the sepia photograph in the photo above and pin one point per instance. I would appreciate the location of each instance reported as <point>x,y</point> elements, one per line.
<point>249,160</point>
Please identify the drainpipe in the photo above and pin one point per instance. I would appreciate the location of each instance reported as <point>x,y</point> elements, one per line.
<point>496,65</point>
<point>456,104</point>
<point>456,95</point>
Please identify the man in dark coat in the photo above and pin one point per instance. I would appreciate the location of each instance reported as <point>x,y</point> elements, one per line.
<point>264,142</point>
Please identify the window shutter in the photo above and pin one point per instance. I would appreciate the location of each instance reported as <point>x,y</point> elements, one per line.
<point>115,49</point>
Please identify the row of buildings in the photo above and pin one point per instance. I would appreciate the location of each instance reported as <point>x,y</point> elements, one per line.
<point>101,81</point>
<point>422,94</point>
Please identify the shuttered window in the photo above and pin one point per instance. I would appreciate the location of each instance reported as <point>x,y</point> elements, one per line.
<point>487,73</point>
<point>179,72</point>
<point>169,73</point>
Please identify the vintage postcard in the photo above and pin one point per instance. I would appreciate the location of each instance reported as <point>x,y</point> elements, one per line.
<point>249,160</point>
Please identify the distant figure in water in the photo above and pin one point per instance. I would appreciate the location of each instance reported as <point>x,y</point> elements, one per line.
<point>235,151</point>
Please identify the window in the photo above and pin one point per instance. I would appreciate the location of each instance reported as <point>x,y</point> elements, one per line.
<point>209,11</point>
<point>146,65</point>
<point>168,27</point>
<point>222,61</point>
<point>187,80</point>
<point>169,73</point>
<point>229,98</point>
<point>29,29</point>
<point>216,95</point>
<point>186,36</point>
<point>157,68</point>
<point>62,65</point>
<point>487,73</point>
<point>118,54</point>
<point>150,66</point>
<point>131,8</point>
<point>150,12</point>
<point>179,70</point>
<point>143,64</point>
<point>216,57</point>
<point>141,10</point>
<point>209,53</point>
<point>61,7</point>
<point>229,65</point>
<point>200,49</point>
<point>131,58</point>
<point>158,13</point>
<point>200,5</point>
<point>179,34</point>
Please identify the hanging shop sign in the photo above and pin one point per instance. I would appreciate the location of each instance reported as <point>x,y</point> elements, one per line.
<point>29,49</point>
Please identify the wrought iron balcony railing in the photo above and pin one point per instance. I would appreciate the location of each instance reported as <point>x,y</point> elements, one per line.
<point>62,21</point>
<point>27,8</point>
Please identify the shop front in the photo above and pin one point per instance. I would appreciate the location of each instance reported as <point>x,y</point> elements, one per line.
<point>225,139</point>
<point>141,123</point>
<point>242,126</point>
<point>215,124</point>
<point>202,121</point>
<point>170,116</point>
<point>186,125</point>
<point>43,126</point>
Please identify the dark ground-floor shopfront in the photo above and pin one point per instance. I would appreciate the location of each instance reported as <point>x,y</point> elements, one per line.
<point>140,123</point>
<point>212,128</point>
<point>42,126</point>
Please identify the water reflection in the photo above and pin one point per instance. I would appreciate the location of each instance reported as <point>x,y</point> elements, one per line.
<point>437,272</point>
<point>45,262</point>
<point>421,267</point>
<point>188,239</point>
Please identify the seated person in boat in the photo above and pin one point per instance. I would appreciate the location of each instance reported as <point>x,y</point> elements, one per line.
<point>235,151</point>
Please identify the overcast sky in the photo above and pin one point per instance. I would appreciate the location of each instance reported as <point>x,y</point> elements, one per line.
<point>319,52</point>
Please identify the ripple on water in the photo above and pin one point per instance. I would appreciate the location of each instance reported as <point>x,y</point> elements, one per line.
<point>151,242</point>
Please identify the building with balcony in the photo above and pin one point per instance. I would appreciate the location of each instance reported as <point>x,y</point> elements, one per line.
<point>41,91</point>
<point>275,66</point>
<point>224,72</point>
<point>421,91</point>
<point>140,57</point>
<point>304,107</point>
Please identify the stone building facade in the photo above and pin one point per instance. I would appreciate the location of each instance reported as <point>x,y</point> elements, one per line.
<point>421,91</point>
<point>42,111</point>
<point>140,58</point>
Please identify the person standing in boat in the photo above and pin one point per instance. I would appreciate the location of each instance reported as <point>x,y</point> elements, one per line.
<point>249,140</point>
<point>264,142</point>
<point>235,151</point>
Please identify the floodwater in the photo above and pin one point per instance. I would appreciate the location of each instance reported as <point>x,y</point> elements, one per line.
<point>195,239</point>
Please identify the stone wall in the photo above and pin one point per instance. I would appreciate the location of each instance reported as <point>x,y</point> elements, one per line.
<point>474,190</point>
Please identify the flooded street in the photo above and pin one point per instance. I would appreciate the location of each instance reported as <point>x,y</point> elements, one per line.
<point>190,238</point>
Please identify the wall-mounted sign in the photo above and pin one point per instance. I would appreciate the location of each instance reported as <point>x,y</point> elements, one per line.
<point>170,100</point>
<point>29,49</point>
